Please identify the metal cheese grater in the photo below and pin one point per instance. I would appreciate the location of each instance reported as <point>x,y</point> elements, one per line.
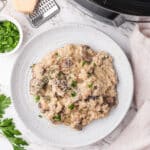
<point>44,10</point>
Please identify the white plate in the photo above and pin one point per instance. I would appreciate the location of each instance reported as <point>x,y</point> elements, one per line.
<point>60,135</point>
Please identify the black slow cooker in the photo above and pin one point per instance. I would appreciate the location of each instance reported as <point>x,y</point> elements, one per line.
<point>117,12</point>
<point>132,7</point>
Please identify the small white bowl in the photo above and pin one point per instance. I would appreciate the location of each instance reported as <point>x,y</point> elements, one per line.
<point>14,21</point>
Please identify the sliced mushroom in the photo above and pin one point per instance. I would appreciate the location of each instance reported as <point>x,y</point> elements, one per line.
<point>78,127</point>
<point>61,84</point>
<point>86,56</point>
<point>110,101</point>
<point>67,63</point>
<point>92,97</point>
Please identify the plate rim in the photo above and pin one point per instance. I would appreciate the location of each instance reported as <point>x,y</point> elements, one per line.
<point>55,28</point>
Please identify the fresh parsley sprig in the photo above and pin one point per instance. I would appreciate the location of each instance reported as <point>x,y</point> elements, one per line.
<point>7,126</point>
<point>4,103</point>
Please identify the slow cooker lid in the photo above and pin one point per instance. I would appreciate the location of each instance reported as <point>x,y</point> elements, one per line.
<point>132,7</point>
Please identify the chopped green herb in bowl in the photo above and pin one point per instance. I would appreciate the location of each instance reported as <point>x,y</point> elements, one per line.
<point>10,35</point>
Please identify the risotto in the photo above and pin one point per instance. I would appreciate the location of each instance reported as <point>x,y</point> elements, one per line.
<point>74,85</point>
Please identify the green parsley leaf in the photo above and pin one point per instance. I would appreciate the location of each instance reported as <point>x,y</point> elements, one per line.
<point>7,126</point>
<point>84,62</point>
<point>89,74</point>
<point>90,85</point>
<point>71,107</point>
<point>4,103</point>
<point>57,55</point>
<point>73,94</point>
<point>74,83</point>
<point>37,98</point>
<point>57,117</point>
<point>6,122</point>
<point>60,75</point>
<point>40,116</point>
<point>9,130</point>
<point>32,66</point>
<point>95,65</point>
<point>18,147</point>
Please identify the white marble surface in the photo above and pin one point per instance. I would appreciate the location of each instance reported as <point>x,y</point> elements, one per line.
<point>68,14</point>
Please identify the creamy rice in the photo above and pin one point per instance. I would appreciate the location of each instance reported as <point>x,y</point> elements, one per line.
<point>75,85</point>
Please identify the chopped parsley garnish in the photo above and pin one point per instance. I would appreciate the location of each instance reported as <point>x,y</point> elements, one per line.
<point>56,54</point>
<point>57,117</point>
<point>94,64</point>
<point>89,74</point>
<point>74,83</point>
<point>73,94</point>
<point>90,85</point>
<point>71,107</point>
<point>37,98</point>
<point>84,62</point>
<point>40,116</point>
<point>32,66</point>
<point>60,75</point>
